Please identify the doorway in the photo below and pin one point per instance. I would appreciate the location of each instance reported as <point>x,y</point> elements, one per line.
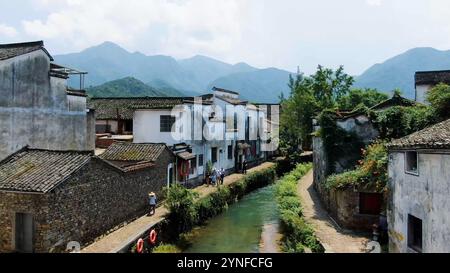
<point>24,232</point>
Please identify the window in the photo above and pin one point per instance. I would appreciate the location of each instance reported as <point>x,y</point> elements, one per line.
<point>193,166</point>
<point>370,203</point>
<point>166,123</point>
<point>411,162</point>
<point>129,126</point>
<point>200,160</point>
<point>414,233</point>
<point>230,151</point>
<point>214,155</point>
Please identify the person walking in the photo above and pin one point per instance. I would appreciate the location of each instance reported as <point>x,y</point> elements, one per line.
<point>214,177</point>
<point>222,175</point>
<point>152,202</point>
<point>245,167</point>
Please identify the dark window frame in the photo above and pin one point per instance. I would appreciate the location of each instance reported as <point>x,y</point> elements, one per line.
<point>412,158</point>
<point>193,165</point>
<point>214,157</point>
<point>230,152</point>
<point>415,233</point>
<point>166,123</point>
<point>200,160</point>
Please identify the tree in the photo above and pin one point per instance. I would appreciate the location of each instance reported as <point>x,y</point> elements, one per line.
<point>329,86</point>
<point>439,98</point>
<point>356,97</point>
<point>308,97</point>
<point>296,118</point>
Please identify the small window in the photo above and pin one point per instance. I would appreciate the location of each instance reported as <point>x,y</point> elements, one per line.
<point>166,124</point>
<point>370,203</point>
<point>411,162</point>
<point>193,166</point>
<point>230,152</point>
<point>414,233</point>
<point>200,160</point>
<point>214,155</point>
<point>129,126</point>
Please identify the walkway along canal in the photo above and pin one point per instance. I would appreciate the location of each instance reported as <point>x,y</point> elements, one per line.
<point>125,237</point>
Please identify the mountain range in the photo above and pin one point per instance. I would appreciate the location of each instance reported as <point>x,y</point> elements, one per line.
<point>165,75</point>
<point>113,71</point>
<point>399,71</point>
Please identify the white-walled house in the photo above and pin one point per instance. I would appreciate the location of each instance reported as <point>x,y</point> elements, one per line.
<point>219,128</point>
<point>37,107</point>
<point>426,80</point>
<point>419,180</point>
<point>229,137</point>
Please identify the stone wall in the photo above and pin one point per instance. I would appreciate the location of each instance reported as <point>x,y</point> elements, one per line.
<point>12,203</point>
<point>343,205</point>
<point>94,200</point>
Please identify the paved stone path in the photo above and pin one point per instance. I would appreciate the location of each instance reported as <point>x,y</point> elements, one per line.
<point>122,237</point>
<point>333,238</point>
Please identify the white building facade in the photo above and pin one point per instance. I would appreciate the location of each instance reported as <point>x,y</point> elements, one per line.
<point>219,129</point>
<point>419,177</point>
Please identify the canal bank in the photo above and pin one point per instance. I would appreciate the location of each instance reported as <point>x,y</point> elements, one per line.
<point>125,237</point>
<point>248,226</point>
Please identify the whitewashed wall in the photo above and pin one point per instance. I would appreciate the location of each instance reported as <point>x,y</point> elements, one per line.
<point>426,196</point>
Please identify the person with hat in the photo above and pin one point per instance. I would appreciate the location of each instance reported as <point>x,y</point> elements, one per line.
<point>152,203</point>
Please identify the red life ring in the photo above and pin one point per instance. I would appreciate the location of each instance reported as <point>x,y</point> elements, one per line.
<point>140,246</point>
<point>152,237</point>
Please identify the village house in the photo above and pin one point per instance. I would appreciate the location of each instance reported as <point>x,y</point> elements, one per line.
<point>37,107</point>
<point>419,182</point>
<point>230,136</point>
<point>50,198</point>
<point>53,190</point>
<point>426,80</point>
<point>352,208</point>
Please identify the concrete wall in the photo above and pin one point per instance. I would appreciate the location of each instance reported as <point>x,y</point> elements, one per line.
<point>94,200</point>
<point>35,109</point>
<point>146,127</point>
<point>362,126</point>
<point>421,93</point>
<point>426,196</point>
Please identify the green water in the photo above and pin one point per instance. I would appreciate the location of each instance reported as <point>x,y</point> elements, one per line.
<point>237,230</point>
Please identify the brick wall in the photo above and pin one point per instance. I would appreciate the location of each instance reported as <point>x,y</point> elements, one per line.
<point>94,200</point>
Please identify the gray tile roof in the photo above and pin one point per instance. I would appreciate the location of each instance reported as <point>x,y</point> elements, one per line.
<point>433,137</point>
<point>232,100</point>
<point>432,77</point>
<point>125,107</point>
<point>38,170</point>
<point>224,90</point>
<point>126,151</point>
<point>8,51</point>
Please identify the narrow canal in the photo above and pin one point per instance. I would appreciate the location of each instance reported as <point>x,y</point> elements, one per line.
<point>240,228</point>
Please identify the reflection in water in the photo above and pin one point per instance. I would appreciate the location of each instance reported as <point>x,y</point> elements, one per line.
<point>238,230</point>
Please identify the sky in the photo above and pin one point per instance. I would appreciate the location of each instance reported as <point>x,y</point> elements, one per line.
<point>264,33</point>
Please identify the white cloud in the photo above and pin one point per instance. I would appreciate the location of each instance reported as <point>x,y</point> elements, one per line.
<point>7,31</point>
<point>177,26</point>
<point>374,2</point>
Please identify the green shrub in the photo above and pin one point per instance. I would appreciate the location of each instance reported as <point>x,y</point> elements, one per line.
<point>298,235</point>
<point>182,210</point>
<point>371,173</point>
<point>439,98</point>
<point>166,249</point>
